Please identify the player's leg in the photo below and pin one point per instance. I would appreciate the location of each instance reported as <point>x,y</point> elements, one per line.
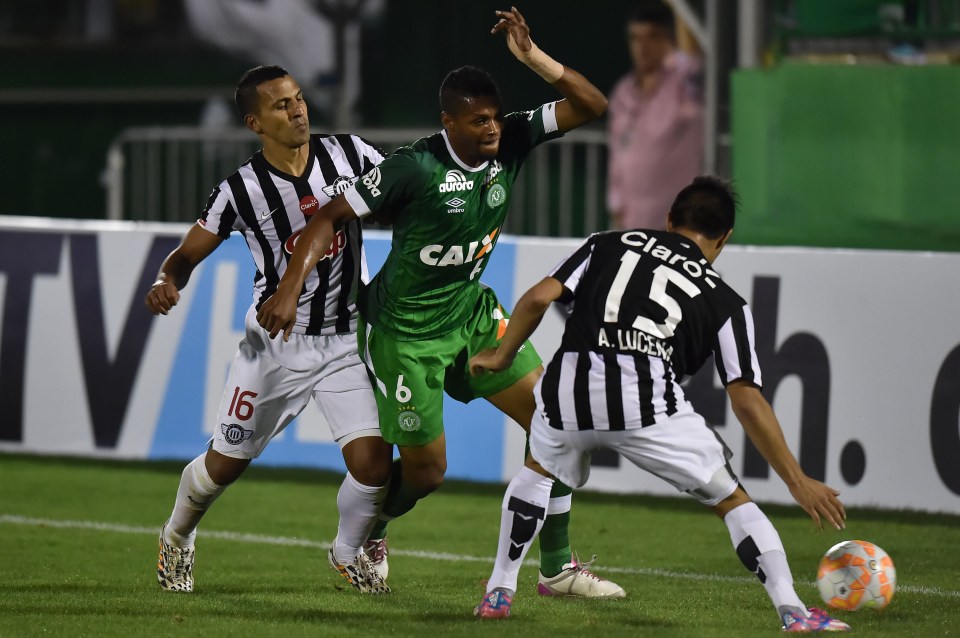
<point>344,396</point>
<point>684,451</point>
<point>511,391</point>
<point>761,551</point>
<point>368,460</point>
<point>517,401</point>
<point>201,482</point>
<point>341,389</point>
<point>407,379</point>
<point>523,511</point>
<point>260,398</point>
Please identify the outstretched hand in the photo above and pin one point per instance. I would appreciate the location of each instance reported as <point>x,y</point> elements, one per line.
<point>488,361</point>
<point>819,500</point>
<point>515,28</point>
<point>279,314</point>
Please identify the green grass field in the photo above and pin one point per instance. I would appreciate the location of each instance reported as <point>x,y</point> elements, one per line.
<point>79,537</point>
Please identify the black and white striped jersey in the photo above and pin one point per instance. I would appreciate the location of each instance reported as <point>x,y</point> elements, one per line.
<point>646,309</point>
<point>271,208</point>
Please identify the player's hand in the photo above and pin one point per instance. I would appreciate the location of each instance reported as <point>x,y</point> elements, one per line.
<point>489,360</point>
<point>515,28</point>
<point>279,314</point>
<point>820,502</point>
<point>162,297</point>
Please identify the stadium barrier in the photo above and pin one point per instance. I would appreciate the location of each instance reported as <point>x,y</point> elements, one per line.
<point>860,352</point>
<point>166,173</point>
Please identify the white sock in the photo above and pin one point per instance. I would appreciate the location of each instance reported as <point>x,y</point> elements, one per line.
<point>196,493</point>
<point>358,505</point>
<point>523,511</point>
<point>761,551</point>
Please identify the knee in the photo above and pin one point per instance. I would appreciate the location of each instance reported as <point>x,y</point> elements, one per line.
<point>369,460</point>
<point>425,478</point>
<point>224,470</point>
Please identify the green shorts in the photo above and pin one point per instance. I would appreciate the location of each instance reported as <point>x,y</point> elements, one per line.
<point>410,377</point>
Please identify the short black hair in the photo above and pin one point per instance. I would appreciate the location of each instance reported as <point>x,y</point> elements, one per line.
<point>465,83</point>
<point>656,13</point>
<point>708,206</point>
<point>246,95</point>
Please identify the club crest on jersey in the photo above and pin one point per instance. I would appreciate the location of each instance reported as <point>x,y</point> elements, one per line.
<point>372,181</point>
<point>336,246</point>
<point>455,181</point>
<point>234,434</point>
<point>496,195</point>
<point>339,185</point>
<point>408,420</point>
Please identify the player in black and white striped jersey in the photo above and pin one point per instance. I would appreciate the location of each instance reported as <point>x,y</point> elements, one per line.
<point>269,200</point>
<point>645,309</point>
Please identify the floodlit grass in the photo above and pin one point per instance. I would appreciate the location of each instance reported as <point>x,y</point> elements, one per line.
<point>62,576</point>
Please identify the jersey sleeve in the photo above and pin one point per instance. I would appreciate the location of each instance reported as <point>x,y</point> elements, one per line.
<point>392,183</point>
<point>219,216</point>
<point>526,129</point>
<point>734,349</point>
<point>370,155</point>
<point>569,272</point>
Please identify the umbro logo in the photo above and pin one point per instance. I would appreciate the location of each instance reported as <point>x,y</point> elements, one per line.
<point>456,205</point>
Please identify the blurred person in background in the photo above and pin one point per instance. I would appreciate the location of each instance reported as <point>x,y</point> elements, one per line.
<point>269,200</point>
<point>655,120</point>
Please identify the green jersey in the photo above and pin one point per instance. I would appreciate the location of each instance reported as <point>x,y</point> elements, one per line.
<point>447,224</point>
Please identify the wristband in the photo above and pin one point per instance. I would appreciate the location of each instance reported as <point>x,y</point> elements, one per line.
<point>538,61</point>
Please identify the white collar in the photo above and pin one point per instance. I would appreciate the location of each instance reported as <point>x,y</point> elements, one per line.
<point>460,162</point>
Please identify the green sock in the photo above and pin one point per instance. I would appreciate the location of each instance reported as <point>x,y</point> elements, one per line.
<point>555,536</point>
<point>400,499</point>
<point>379,531</point>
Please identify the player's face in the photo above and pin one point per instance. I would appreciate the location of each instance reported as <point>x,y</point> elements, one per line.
<point>281,113</point>
<point>474,130</point>
<point>649,45</point>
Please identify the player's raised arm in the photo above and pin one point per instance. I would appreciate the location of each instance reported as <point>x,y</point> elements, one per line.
<point>761,425</point>
<point>584,102</point>
<point>279,312</point>
<point>176,269</point>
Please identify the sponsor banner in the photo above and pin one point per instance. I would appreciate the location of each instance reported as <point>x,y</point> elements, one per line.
<point>860,353</point>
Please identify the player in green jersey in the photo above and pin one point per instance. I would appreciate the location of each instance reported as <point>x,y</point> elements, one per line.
<point>426,311</point>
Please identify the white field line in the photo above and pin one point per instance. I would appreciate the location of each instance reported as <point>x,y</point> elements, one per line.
<point>11,519</point>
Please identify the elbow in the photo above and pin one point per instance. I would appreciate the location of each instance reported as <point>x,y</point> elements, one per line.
<point>600,106</point>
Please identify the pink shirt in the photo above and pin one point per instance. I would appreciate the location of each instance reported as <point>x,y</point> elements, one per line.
<point>655,142</point>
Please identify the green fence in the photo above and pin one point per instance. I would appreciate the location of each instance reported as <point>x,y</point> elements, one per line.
<point>848,156</point>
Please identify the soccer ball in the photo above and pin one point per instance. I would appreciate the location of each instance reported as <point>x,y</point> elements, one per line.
<point>856,575</point>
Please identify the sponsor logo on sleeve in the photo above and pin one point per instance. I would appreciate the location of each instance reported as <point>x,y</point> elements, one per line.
<point>372,181</point>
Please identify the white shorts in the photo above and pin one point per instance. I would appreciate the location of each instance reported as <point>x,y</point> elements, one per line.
<point>682,450</point>
<point>270,382</point>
